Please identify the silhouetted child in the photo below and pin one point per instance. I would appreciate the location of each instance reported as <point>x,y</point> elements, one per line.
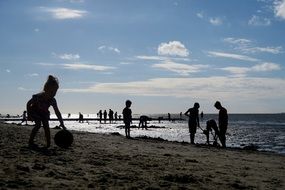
<point>24,117</point>
<point>212,126</point>
<point>143,121</point>
<point>37,109</point>
<point>127,116</point>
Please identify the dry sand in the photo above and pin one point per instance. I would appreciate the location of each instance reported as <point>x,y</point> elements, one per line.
<point>101,161</point>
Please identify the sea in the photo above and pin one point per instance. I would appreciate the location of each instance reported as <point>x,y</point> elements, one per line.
<point>263,132</point>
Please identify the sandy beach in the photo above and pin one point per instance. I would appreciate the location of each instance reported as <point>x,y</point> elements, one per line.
<point>110,161</point>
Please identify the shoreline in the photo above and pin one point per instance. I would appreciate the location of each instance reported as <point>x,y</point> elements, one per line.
<point>110,161</point>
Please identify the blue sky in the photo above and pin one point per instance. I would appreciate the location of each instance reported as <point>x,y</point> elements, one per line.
<point>164,55</point>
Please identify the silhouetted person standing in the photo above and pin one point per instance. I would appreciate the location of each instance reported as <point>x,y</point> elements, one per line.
<point>127,116</point>
<point>223,122</point>
<point>193,123</point>
<point>105,116</point>
<point>81,118</point>
<point>100,116</point>
<point>169,117</point>
<point>111,115</point>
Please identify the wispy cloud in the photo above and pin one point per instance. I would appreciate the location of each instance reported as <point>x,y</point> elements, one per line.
<point>232,56</point>
<point>109,48</point>
<point>79,66</point>
<point>279,8</point>
<point>247,46</point>
<point>259,21</point>
<point>216,21</point>
<point>8,71</point>
<point>242,71</point>
<point>226,88</point>
<point>64,13</point>
<point>32,75</point>
<point>70,57</point>
<point>181,69</point>
<point>200,15</point>
<point>173,48</point>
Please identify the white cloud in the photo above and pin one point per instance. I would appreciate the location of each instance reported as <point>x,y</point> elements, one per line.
<point>216,21</point>
<point>161,58</point>
<point>210,88</point>
<point>36,30</point>
<point>279,8</point>
<point>173,48</point>
<point>232,56</point>
<point>8,71</point>
<point>181,69</point>
<point>71,57</point>
<point>65,13</point>
<point>259,21</point>
<point>109,48</point>
<point>242,71</point>
<point>80,66</point>
<point>266,67</point>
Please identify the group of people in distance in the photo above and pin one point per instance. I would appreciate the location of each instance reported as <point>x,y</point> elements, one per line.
<point>220,132</point>
<point>38,111</point>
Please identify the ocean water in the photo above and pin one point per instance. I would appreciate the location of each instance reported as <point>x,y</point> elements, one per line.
<point>266,132</point>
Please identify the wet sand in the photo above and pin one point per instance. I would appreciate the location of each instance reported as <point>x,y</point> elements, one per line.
<point>110,161</point>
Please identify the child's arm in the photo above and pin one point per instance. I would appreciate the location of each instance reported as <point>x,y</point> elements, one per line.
<point>58,114</point>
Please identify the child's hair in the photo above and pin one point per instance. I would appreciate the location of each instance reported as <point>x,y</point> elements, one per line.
<point>52,82</point>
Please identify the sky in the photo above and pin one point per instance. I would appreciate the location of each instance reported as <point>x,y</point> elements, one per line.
<point>163,55</point>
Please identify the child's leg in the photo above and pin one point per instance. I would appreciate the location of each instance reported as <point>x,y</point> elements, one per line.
<point>47,132</point>
<point>34,132</point>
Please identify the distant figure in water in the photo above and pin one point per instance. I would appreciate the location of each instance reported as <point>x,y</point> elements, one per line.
<point>143,121</point>
<point>111,115</point>
<point>193,123</point>
<point>68,115</point>
<point>116,116</point>
<point>211,126</point>
<point>100,116</point>
<point>24,117</point>
<point>202,115</point>
<point>169,117</point>
<point>159,119</point>
<point>223,122</point>
<point>127,116</point>
<point>105,116</point>
<point>37,109</point>
<point>81,118</point>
